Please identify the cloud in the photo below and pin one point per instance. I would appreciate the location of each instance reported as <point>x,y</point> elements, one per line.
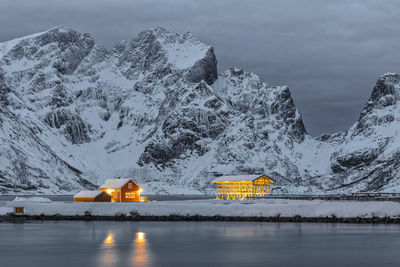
<point>328,52</point>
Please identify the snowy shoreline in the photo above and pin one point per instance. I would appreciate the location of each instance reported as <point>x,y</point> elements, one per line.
<point>198,218</point>
<point>276,210</point>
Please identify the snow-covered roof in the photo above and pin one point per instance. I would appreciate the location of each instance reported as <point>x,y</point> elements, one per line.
<point>87,193</point>
<point>115,183</point>
<point>238,178</point>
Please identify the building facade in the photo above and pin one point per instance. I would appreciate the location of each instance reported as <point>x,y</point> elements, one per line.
<point>122,190</point>
<point>240,187</point>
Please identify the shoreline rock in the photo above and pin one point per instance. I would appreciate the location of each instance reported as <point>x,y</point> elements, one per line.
<point>197,218</point>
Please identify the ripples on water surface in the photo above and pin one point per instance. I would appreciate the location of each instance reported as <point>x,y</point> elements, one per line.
<point>61,244</point>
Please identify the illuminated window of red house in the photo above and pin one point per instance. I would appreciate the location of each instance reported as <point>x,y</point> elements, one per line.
<point>130,195</point>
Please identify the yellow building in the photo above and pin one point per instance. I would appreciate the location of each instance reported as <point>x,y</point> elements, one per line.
<point>241,187</point>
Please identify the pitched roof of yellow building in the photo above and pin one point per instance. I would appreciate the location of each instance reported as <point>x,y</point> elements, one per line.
<point>240,178</point>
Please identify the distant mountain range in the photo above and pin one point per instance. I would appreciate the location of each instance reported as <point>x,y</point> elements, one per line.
<point>74,113</point>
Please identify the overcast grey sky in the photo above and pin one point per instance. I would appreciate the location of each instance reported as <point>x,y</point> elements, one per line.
<point>329,53</point>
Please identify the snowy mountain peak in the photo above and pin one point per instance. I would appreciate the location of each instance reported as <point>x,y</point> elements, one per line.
<point>60,48</point>
<point>388,85</point>
<point>74,113</point>
<point>61,35</point>
<point>163,52</point>
<point>247,93</point>
<point>61,28</point>
<point>383,106</point>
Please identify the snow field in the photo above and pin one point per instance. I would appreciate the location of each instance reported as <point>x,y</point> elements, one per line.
<point>265,208</point>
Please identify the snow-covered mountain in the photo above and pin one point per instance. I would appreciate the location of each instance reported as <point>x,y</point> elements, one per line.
<point>74,113</point>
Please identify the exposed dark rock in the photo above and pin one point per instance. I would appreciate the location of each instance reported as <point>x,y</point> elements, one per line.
<point>60,97</point>
<point>141,53</point>
<point>204,69</point>
<point>74,47</point>
<point>355,159</point>
<point>75,129</point>
<point>4,90</point>
<point>162,152</point>
<point>121,217</point>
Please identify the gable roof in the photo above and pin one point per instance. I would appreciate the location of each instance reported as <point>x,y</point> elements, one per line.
<point>87,193</point>
<point>239,178</point>
<point>115,183</point>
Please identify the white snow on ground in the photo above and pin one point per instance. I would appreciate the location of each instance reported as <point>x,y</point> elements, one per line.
<point>5,210</point>
<point>32,199</point>
<point>270,207</point>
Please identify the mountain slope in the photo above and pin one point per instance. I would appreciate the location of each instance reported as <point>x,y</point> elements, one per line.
<point>154,108</point>
<point>27,164</point>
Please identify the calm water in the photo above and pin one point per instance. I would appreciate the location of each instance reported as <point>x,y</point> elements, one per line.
<point>197,244</point>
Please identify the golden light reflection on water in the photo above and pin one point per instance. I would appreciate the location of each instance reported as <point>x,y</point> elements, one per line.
<point>111,253</point>
<point>108,252</point>
<point>140,237</point>
<point>109,240</point>
<point>141,252</point>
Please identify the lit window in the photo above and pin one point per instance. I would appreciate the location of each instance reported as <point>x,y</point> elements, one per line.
<point>129,195</point>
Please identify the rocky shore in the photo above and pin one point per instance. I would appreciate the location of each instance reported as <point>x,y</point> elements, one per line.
<point>171,218</point>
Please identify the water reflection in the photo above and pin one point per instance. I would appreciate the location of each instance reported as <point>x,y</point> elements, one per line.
<point>109,240</point>
<point>107,251</point>
<point>140,237</point>
<point>141,252</point>
<point>159,244</point>
<point>240,232</point>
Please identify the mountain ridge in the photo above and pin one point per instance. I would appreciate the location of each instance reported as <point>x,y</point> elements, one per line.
<point>155,108</point>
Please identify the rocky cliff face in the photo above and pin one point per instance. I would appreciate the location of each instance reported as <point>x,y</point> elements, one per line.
<point>74,113</point>
<point>27,164</point>
<point>367,157</point>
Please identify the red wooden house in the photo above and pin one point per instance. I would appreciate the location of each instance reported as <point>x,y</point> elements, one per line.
<point>122,190</point>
